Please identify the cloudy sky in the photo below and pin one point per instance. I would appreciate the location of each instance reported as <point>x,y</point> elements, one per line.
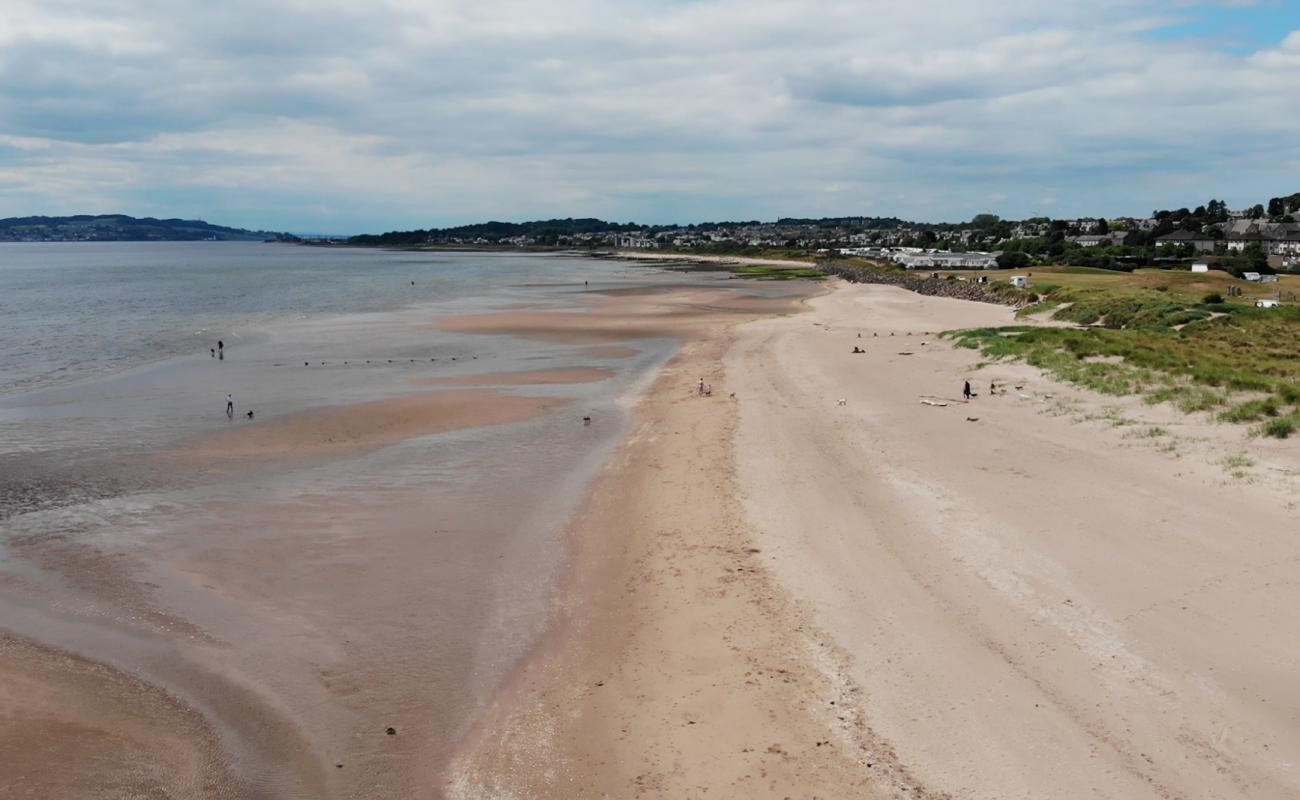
<point>344,116</point>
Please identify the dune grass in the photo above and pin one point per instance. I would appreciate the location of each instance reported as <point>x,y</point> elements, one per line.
<point>1140,341</point>
<point>775,272</point>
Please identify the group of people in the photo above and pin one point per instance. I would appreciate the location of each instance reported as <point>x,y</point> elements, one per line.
<point>219,353</point>
<point>703,389</point>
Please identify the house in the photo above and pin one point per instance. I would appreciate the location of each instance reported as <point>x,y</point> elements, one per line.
<point>1201,242</point>
<point>1238,241</point>
<point>1268,279</point>
<point>940,259</point>
<point>1021,281</point>
<point>1278,238</point>
<point>1250,276</point>
<point>1266,304</point>
<point>1200,268</point>
<point>1114,238</point>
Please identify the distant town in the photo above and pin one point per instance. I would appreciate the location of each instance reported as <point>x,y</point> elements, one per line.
<point>1264,238</point>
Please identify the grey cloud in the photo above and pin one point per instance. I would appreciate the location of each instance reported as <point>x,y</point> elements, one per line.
<point>604,107</point>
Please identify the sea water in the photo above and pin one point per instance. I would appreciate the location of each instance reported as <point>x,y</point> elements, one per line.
<point>423,569</point>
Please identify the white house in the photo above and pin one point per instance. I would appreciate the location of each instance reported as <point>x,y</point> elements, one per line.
<point>1266,304</point>
<point>940,259</point>
<point>1200,268</point>
<point>1020,280</point>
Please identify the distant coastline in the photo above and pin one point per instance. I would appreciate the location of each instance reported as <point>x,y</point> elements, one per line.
<point>123,228</point>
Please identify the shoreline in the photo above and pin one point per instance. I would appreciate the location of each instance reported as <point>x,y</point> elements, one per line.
<point>307,580</point>
<point>671,633</point>
<point>779,595</point>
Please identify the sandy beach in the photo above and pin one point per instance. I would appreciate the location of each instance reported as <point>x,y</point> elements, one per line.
<point>779,595</point>
<point>831,577</point>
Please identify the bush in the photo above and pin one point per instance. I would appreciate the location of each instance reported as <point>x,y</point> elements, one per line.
<point>1013,259</point>
<point>1250,411</point>
<point>1213,298</point>
<point>1279,428</point>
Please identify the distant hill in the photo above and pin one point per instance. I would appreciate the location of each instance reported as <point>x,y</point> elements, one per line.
<point>496,231</point>
<point>121,228</point>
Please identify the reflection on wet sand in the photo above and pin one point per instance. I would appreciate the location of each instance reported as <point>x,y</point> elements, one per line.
<point>257,635</point>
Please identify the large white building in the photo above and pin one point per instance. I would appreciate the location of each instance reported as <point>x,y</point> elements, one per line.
<point>940,259</point>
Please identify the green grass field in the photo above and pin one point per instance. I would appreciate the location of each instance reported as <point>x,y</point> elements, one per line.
<point>1154,335</point>
<point>1181,284</point>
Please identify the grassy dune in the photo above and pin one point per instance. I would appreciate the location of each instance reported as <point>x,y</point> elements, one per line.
<point>1155,335</point>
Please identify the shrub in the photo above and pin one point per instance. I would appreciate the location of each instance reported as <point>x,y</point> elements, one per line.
<point>1213,298</point>
<point>1250,411</point>
<point>1279,428</point>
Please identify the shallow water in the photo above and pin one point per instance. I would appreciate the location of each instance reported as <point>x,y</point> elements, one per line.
<point>300,606</point>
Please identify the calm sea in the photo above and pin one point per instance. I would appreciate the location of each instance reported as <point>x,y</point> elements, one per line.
<point>73,311</point>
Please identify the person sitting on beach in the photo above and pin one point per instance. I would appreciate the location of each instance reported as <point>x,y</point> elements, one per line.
<point>250,414</point>
<point>708,390</point>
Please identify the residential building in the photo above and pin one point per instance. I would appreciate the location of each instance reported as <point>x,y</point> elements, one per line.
<point>944,260</point>
<point>1203,243</point>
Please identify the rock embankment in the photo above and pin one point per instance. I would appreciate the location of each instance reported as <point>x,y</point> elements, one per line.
<point>999,293</point>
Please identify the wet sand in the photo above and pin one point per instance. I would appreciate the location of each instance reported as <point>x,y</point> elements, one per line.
<point>622,315</point>
<point>258,636</point>
<point>364,426</point>
<point>679,668</point>
<point>125,737</point>
<point>537,377</point>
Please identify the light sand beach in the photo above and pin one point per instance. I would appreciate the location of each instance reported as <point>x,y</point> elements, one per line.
<point>779,595</point>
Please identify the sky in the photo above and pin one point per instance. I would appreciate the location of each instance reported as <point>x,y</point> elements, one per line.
<point>342,116</point>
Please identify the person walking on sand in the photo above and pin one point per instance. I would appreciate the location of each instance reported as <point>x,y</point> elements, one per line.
<point>965,391</point>
<point>699,387</point>
<point>230,405</point>
<point>221,350</point>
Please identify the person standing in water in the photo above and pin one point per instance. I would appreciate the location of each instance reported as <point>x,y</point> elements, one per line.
<point>230,405</point>
<point>221,350</point>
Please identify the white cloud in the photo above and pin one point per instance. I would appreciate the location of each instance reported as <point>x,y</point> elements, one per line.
<point>416,113</point>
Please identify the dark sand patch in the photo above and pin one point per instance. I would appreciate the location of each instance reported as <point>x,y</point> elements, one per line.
<point>536,377</point>
<point>70,727</point>
<point>363,426</point>
<point>633,315</point>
